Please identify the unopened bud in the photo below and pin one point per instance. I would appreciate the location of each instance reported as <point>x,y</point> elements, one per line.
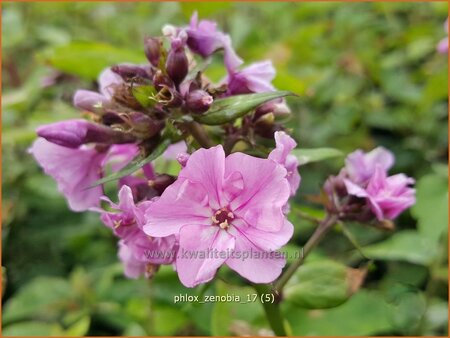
<point>177,64</point>
<point>182,158</point>
<point>152,49</point>
<point>130,71</point>
<point>198,101</point>
<point>74,133</point>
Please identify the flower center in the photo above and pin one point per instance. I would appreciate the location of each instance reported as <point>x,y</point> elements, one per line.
<point>223,218</point>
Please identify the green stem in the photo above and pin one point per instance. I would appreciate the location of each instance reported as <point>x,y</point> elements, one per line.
<point>198,132</point>
<point>272,310</point>
<point>321,230</point>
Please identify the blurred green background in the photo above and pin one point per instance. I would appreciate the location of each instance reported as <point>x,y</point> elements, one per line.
<point>368,74</point>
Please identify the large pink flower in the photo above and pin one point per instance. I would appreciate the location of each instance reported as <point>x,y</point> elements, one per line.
<point>387,196</point>
<point>225,211</point>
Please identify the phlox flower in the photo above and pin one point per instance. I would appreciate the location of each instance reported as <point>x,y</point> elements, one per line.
<point>230,204</point>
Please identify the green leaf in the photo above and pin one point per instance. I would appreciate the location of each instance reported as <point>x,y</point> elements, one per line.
<point>79,328</point>
<point>134,165</point>
<point>88,59</point>
<point>305,156</point>
<point>43,297</point>
<point>407,245</point>
<point>366,313</point>
<point>230,108</point>
<point>431,208</point>
<point>30,328</point>
<point>144,94</point>
<point>322,284</point>
<point>168,320</point>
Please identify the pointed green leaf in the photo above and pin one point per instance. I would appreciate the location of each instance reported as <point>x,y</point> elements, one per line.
<point>230,108</point>
<point>314,155</point>
<point>134,165</point>
<point>144,94</point>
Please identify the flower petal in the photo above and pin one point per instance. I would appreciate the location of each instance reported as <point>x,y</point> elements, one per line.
<point>182,203</point>
<point>254,264</point>
<point>206,167</point>
<point>197,259</point>
<point>265,191</point>
<point>74,170</point>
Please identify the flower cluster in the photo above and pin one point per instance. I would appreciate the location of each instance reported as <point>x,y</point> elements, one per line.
<point>237,172</point>
<point>364,192</point>
<point>217,201</point>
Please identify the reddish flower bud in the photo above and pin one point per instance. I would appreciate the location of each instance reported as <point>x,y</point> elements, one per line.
<point>177,64</point>
<point>198,101</point>
<point>152,49</point>
<point>74,133</point>
<point>130,71</point>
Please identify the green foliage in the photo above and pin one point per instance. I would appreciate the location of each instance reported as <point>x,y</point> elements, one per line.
<point>367,74</point>
<point>320,284</point>
<point>230,108</point>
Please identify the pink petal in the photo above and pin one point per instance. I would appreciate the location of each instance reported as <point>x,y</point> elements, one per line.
<point>198,240</point>
<point>206,167</point>
<point>254,264</point>
<point>264,240</point>
<point>74,170</point>
<point>182,203</point>
<point>265,192</point>
<point>107,81</point>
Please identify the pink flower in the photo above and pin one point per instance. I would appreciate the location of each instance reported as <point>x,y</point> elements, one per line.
<point>360,166</point>
<point>204,39</point>
<point>255,78</point>
<point>127,220</point>
<point>387,196</point>
<point>74,170</point>
<point>231,206</point>
<point>281,154</point>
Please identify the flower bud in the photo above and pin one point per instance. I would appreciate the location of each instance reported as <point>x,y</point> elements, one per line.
<point>130,71</point>
<point>177,64</point>
<point>152,49</point>
<point>74,133</point>
<point>198,101</point>
<point>182,158</point>
<point>90,101</point>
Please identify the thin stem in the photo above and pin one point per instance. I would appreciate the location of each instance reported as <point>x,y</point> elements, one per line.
<point>321,230</point>
<point>272,310</point>
<point>199,134</point>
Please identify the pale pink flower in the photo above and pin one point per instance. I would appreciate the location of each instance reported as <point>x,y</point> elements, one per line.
<point>232,205</point>
<point>387,196</point>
